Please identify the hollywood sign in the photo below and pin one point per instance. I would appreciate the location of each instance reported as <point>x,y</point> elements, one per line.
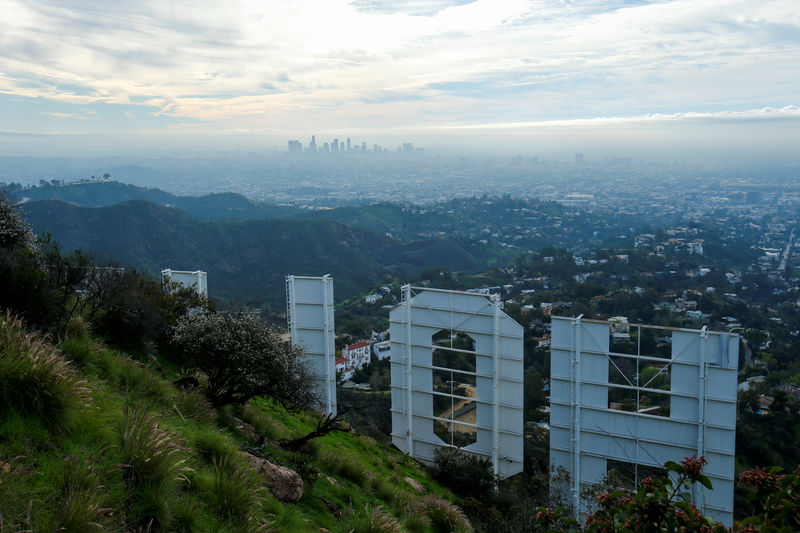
<point>627,398</point>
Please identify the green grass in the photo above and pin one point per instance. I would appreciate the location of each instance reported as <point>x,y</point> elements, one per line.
<point>236,491</point>
<point>80,483</point>
<point>368,520</point>
<point>129,451</point>
<point>35,378</point>
<point>152,456</point>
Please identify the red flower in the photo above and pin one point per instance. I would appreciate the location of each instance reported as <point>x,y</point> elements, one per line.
<point>693,466</point>
<point>759,477</point>
<point>548,516</point>
<point>604,497</point>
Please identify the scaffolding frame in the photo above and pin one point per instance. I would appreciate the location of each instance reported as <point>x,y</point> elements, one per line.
<point>702,370</point>
<point>424,311</point>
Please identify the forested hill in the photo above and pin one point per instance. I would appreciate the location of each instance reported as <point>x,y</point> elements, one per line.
<point>209,207</point>
<point>246,261</point>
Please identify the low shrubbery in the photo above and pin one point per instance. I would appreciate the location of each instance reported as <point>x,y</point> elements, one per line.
<point>213,446</point>
<point>665,505</point>
<point>469,476</point>
<point>235,492</point>
<point>81,501</point>
<point>35,379</point>
<point>370,519</point>
<point>444,516</point>
<point>113,452</point>
<point>137,311</point>
<point>153,456</point>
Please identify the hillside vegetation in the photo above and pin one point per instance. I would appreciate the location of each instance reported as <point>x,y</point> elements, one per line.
<point>131,427</point>
<point>246,261</point>
<point>218,206</point>
<point>91,439</point>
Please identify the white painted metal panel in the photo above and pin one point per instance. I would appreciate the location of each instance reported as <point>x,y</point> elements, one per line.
<point>309,311</point>
<point>498,386</point>
<point>197,279</point>
<point>585,431</point>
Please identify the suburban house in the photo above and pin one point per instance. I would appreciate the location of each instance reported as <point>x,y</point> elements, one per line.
<point>359,354</point>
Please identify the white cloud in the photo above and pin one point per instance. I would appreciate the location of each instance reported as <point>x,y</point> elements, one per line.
<point>252,64</point>
<point>76,116</point>
<point>766,113</point>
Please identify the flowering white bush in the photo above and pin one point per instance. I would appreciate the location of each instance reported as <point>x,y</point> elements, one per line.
<point>14,232</point>
<point>243,357</point>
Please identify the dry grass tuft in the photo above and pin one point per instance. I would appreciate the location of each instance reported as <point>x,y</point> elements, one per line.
<point>236,491</point>
<point>81,499</point>
<point>444,516</point>
<point>35,378</point>
<point>153,456</point>
<point>371,519</point>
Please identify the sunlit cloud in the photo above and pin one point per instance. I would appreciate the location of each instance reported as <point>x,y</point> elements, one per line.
<point>768,113</point>
<point>75,116</point>
<point>449,64</point>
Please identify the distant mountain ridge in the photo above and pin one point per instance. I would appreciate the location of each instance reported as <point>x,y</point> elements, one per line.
<point>217,206</point>
<point>246,261</point>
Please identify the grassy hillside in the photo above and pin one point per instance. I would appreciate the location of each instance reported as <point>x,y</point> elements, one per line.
<point>247,260</point>
<point>91,439</point>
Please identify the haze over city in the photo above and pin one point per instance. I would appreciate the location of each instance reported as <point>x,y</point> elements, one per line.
<point>659,79</point>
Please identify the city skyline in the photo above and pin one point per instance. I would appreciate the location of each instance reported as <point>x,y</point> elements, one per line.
<point>295,146</point>
<point>453,74</point>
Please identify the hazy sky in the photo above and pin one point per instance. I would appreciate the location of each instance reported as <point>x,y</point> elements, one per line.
<point>254,73</point>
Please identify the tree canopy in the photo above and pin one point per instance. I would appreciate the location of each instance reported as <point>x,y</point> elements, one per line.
<point>243,357</point>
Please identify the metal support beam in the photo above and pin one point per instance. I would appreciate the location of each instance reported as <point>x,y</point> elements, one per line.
<point>701,410</point>
<point>495,379</point>
<point>289,301</point>
<point>330,352</point>
<point>409,368</point>
<point>576,413</point>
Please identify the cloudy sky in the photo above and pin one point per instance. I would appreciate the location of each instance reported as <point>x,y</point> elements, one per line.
<point>258,71</point>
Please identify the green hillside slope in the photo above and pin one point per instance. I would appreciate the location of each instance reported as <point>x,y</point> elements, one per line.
<point>246,261</point>
<point>96,441</point>
<point>394,219</point>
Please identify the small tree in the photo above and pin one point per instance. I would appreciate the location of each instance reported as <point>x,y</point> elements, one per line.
<point>135,310</point>
<point>242,357</point>
<point>14,231</point>
<point>469,476</point>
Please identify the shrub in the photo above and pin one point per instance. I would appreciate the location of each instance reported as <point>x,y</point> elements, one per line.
<point>213,446</point>
<point>368,520</point>
<point>77,350</point>
<point>14,231</point>
<point>25,287</point>
<point>140,381</point>
<point>235,491</point>
<point>444,516</point>
<point>191,404</point>
<point>664,504</point>
<point>35,379</point>
<point>468,475</point>
<point>416,521</point>
<point>78,328</point>
<point>153,456</point>
<point>80,499</point>
<point>242,357</point>
<point>152,508</point>
<point>775,497</point>
<point>137,310</point>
